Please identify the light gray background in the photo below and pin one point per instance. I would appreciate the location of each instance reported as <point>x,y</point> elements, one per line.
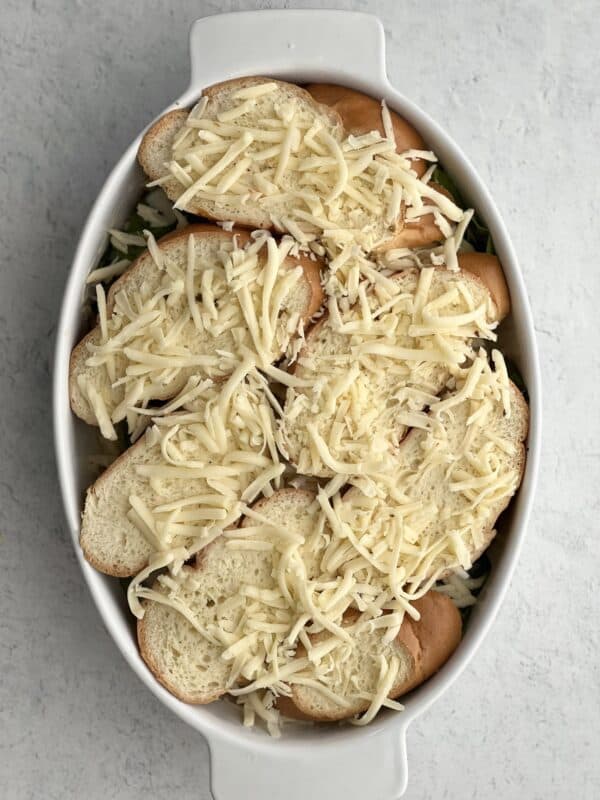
<point>516,85</point>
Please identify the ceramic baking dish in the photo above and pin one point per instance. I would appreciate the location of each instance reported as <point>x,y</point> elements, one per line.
<point>339,763</point>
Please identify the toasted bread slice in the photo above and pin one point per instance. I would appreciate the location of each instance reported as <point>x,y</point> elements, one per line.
<point>361,409</point>
<point>180,347</point>
<point>187,663</point>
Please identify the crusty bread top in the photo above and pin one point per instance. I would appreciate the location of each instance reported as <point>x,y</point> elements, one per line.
<point>360,113</point>
<point>489,270</point>
<point>145,278</point>
<point>437,633</point>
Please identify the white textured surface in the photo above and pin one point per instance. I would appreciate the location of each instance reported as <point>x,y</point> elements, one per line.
<point>516,86</point>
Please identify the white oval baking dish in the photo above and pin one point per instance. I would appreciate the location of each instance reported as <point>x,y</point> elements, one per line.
<point>336,762</point>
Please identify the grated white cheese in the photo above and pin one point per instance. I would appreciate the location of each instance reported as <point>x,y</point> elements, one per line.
<point>347,187</point>
<point>196,313</point>
<point>376,368</point>
<point>412,512</point>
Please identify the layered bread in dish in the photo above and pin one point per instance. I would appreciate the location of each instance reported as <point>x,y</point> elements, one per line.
<point>298,358</point>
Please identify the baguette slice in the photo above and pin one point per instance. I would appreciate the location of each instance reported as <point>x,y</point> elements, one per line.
<point>183,480</point>
<point>435,484</point>
<point>192,669</point>
<point>145,278</point>
<point>378,388</point>
<point>156,147</point>
<point>277,201</point>
<point>181,658</point>
<point>422,648</point>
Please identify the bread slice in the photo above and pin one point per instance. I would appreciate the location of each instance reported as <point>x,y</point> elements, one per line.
<point>422,648</point>
<point>302,198</point>
<point>183,480</point>
<point>110,541</point>
<point>191,667</point>
<point>181,658</point>
<point>145,279</point>
<point>441,478</point>
<point>383,395</point>
<point>156,148</point>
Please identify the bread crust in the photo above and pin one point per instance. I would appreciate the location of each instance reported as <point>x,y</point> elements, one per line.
<point>489,270</point>
<point>437,633</point>
<point>110,568</point>
<point>164,129</point>
<point>361,113</point>
<point>422,231</point>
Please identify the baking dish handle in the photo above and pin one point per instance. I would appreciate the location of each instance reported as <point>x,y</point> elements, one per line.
<point>299,44</point>
<point>370,765</point>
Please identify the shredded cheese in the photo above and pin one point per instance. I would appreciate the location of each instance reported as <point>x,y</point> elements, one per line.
<point>377,367</point>
<point>187,318</point>
<point>376,549</point>
<point>343,187</point>
<point>396,515</point>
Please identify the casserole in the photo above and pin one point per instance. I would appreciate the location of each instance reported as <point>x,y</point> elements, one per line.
<point>335,762</point>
